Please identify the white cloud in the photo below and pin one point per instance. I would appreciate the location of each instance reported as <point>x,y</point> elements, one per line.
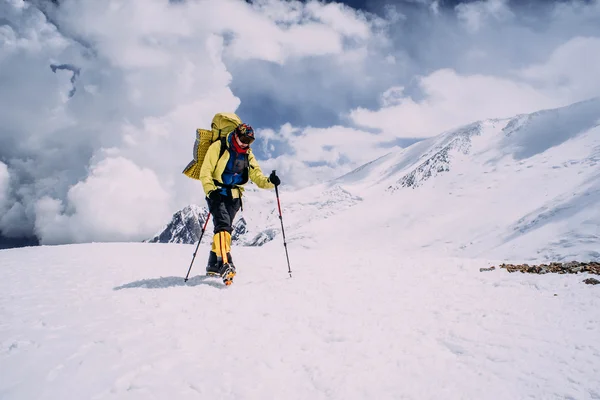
<point>342,19</point>
<point>132,34</point>
<point>309,39</point>
<point>392,96</point>
<point>475,15</point>
<point>335,145</point>
<point>148,33</point>
<point>319,154</point>
<point>281,12</point>
<point>118,201</point>
<point>52,226</point>
<point>33,36</point>
<point>569,73</point>
<point>450,99</point>
<point>286,30</point>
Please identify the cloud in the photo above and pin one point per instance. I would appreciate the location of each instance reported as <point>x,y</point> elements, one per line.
<point>318,55</point>
<point>449,99</point>
<point>319,154</point>
<point>475,15</point>
<point>342,19</point>
<point>567,74</point>
<point>118,201</point>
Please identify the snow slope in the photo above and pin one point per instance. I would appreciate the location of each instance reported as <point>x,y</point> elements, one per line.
<point>526,188</point>
<point>116,321</point>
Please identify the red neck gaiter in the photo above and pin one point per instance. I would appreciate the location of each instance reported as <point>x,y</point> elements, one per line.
<point>236,146</point>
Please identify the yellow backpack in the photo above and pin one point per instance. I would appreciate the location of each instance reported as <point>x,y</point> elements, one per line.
<point>222,125</point>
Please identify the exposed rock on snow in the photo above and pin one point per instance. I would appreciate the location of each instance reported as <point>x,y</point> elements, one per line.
<point>573,267</point>
<point>263,237</point>
<point>184,227</point>
<point>438,159</point>
<point>239,229</point>
<point>516,124</point>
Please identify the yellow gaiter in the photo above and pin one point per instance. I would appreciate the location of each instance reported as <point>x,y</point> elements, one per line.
<point>222,245</point>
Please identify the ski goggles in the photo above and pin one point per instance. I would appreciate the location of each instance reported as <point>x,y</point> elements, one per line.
<point>245,133</point>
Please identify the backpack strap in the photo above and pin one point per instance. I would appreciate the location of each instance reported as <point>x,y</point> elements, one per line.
<point>223,147</point>
<point>219,184</point>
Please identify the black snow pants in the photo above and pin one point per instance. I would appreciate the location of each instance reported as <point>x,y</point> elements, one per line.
<point>223,212</point>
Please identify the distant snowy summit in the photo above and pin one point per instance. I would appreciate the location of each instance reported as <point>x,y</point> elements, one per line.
<point>522,136</point>
<point>186,226</point>
<point>437,159</point>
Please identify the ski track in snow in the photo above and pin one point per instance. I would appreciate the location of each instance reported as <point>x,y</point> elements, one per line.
<point>116,321</point>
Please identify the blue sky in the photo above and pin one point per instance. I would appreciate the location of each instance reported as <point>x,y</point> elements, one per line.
<point>327,86</point>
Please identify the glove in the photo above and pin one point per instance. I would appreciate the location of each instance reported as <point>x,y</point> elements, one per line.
<point>214,195</point>
<point>274,179</point>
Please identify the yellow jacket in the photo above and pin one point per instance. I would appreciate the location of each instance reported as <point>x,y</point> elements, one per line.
<point>213,167</point>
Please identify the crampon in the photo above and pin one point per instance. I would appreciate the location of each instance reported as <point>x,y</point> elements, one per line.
<point>228,274</point>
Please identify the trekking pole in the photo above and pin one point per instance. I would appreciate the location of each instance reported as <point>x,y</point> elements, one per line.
<point>198,245</point>
<point>282,230</point>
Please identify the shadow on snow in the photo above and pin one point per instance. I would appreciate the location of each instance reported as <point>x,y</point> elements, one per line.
<point>172,281</point>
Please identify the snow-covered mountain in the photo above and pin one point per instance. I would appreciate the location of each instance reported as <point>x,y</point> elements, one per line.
<point>527,187</point>
<point>186,226</point>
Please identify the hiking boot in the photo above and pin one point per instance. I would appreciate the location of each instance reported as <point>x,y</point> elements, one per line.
<point>215,264</point>
<point>213,267</point>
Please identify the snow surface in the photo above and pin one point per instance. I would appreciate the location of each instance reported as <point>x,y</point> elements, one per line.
<point>117,321</point>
